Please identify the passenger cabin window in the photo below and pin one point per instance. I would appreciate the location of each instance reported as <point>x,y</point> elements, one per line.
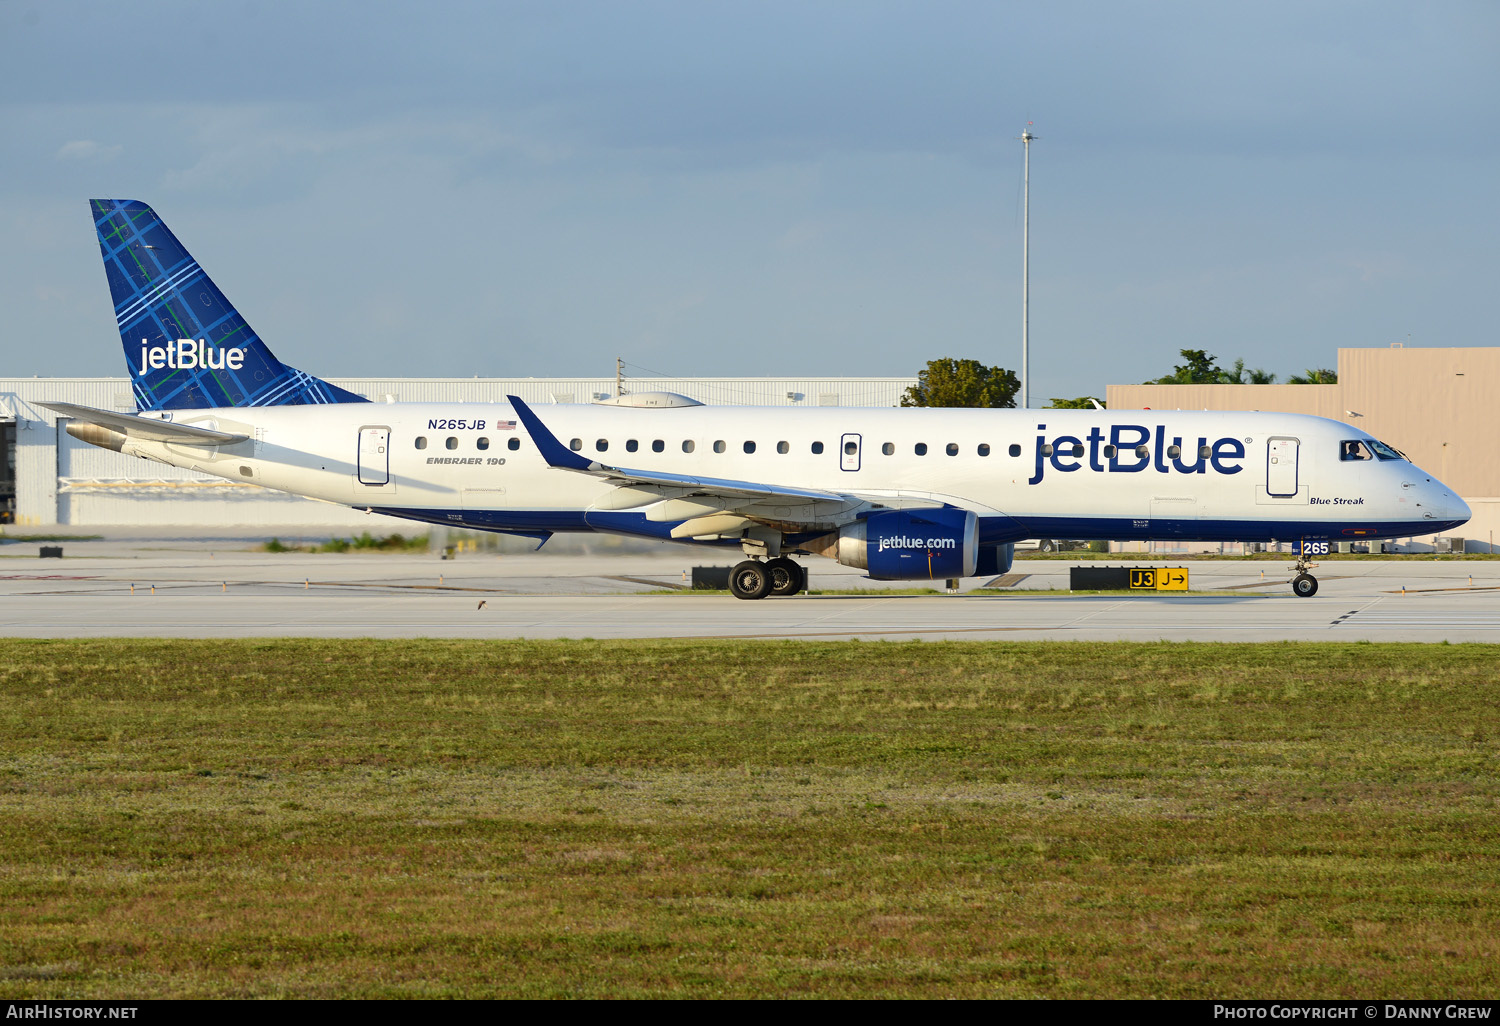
<point>1142,451</point>
<point>481,442</point>
<point>817,448</point>
<point>631,445</point>
<point>689,446</point>
<point>719,445</point>
<point>1205,452</point>
<point>1047,450</point>
<point>1014,450</point>
<point>1353,450</point>
<point>451,442</point>
<point>421,442</point>
<point>749,447</point>
<point>513,444</point>
<point>1174,451</point>
<point>658,445</point>
<point>851,448</point>
<point>952,449</point>
<point>576,445</point>
<point>602,445</point>
<point>984,448</point>
<point>783,447</point>
<point>889,448</point>
<point>920,449</point>
<point>1109,452</point>
<point>1078,449</point>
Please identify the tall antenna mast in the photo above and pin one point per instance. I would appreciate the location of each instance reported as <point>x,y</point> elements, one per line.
<point>1026,138</point>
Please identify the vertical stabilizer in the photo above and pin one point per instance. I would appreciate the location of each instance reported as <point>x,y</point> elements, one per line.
<point>185,345</point>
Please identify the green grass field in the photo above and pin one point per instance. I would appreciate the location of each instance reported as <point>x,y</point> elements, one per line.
<point>318,818</point>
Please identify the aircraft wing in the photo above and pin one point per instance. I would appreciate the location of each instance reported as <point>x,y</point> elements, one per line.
<point>145,428</point>
<point>560,456</point>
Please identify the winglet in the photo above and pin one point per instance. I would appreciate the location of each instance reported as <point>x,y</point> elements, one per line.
<point>554,452</point>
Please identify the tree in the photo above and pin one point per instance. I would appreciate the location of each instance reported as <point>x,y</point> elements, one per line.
<point>1320,376</point>
<point>1241,376</point>
<point>950,382</point>
<point>1198,368</point>
<point>1083,402</point>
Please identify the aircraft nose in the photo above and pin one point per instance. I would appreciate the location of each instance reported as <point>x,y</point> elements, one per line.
<point>1445,505</point>
<point>1461,509</point>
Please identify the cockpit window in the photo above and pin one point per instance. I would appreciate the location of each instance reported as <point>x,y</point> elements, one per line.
<point>1385,452</point>
<point>1353,449</point>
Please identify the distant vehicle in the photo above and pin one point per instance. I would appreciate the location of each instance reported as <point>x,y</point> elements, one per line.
<point>905,494</point>
<point>1053,545</point>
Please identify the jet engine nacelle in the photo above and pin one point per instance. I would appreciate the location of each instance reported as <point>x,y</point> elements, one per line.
<point>912,545</point>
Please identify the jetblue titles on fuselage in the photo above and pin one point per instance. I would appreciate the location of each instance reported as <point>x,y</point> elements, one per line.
<point>1120,452</point>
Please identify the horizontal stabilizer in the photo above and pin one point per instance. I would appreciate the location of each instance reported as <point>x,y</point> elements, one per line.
<point>145,428</point>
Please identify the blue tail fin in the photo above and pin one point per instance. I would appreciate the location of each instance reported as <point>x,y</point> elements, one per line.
<point>186,347</point>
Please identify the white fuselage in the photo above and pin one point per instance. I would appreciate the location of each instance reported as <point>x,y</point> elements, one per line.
<point>1231,476</point>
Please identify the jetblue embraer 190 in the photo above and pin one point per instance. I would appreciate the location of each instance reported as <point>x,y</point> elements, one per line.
<point>905,494</point>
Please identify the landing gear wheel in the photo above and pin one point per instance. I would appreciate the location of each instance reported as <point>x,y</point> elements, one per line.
<point>786,576</point>
<point>750,580</point>
<point>1304,585</point>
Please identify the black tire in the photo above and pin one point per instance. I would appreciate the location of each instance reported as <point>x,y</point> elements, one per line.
<point>786,576</point>
<point>1045,545</point>
<point>750,580</point>
<point>1304,585</point>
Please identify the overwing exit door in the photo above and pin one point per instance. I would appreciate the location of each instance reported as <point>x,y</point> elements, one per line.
<point>374,455</point>
<point>849,452</point>
<point>1281,466</point>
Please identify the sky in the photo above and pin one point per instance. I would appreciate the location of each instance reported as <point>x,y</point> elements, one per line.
<point>730,188</point>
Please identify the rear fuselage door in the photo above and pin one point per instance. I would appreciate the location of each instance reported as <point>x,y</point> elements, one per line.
<point>374,455</point>
<point>1281,466</point>
<point>849,452</point>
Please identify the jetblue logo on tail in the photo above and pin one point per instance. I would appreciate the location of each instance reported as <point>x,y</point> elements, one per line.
<point>176,325</point>
<point>188,354</point>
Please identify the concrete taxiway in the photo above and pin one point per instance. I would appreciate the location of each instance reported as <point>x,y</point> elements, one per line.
<point>222,588</point>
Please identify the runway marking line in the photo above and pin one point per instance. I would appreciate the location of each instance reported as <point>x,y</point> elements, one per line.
<point>1421,591</point>
<point>642,580</point>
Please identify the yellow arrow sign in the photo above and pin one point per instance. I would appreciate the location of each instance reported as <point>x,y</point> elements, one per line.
<point>1173,578</point>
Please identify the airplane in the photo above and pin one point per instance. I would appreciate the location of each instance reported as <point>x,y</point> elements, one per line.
<point>906,494</point>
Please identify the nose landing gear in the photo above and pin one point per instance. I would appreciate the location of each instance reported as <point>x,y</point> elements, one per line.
<point>1304,585</point>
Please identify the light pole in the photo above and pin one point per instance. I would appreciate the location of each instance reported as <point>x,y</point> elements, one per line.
<point>1026,138</point>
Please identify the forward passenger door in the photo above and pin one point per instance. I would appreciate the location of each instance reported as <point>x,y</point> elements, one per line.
<point>1281,467</point>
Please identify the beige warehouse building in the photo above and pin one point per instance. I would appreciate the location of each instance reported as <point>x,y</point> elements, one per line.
<point>1436,405</point>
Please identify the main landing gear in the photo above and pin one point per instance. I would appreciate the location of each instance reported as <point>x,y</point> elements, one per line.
<point>1304,585</point>
<point>755,579</point>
